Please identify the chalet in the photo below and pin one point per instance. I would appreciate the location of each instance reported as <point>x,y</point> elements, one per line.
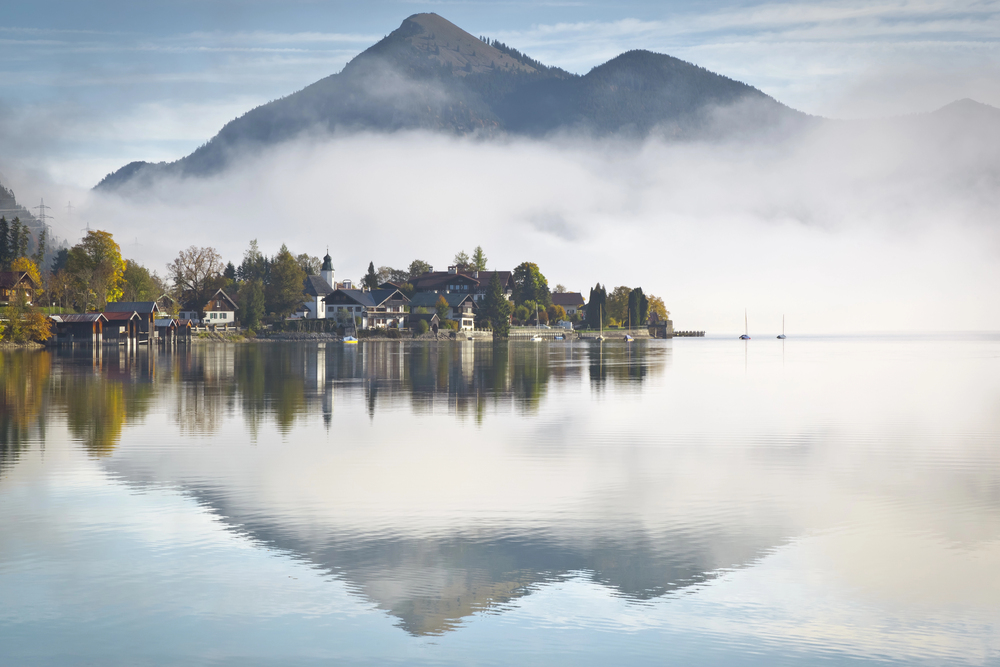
<point>572,302</point>
<point>12,282</point>
<point>219,310</point>
<point>453,280</point>
<point>376,308</point>
<point>461,306</point>
<point>85,329</point>
<point>147,310</point>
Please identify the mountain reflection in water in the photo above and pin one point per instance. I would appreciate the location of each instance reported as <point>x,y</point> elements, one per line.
<point>428,581</point>
<point>445,482</point>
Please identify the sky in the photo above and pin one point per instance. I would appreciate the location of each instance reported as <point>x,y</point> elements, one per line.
<point>87,87</point>
<point>862,231</point>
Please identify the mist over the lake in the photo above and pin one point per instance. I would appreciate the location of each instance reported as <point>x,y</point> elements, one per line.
<point>848,227</point>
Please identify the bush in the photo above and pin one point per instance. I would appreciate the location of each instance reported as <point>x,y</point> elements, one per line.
<point>422,327</point>
<point>393,333</point>
<point>450,324</point>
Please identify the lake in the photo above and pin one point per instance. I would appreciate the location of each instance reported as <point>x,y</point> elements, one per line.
<point>693,501</point>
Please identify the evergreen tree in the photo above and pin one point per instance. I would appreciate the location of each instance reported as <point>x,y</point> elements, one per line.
<point>597,307</point>
<point>230,271</point>
<point>39,257</point>
<point>251,296</point>
<point>371,278</point>
<point>285,289</point>
<point>479,259</point>
<point>5,250</point>
<point>497,308</point>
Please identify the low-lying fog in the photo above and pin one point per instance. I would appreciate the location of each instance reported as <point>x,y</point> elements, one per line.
<point>851,227</point>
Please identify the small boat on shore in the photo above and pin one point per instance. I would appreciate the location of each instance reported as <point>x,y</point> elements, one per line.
<point>746,327</point>
<point>782,336</point>
<point>348,340</point>
<point>628,338</point>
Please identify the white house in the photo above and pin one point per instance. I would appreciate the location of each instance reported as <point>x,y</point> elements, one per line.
<point>220,310</point>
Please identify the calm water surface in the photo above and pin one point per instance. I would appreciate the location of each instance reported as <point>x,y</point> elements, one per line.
<point>696,501</point>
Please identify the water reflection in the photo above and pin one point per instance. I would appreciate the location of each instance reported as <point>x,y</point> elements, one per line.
<point>444,482</point>
<point>23,381</point>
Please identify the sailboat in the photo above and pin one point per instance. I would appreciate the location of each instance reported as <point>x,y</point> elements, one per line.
<point>536,338</point>
<point>600,318</point>
<point>746,327</point>
<point>782,336</point>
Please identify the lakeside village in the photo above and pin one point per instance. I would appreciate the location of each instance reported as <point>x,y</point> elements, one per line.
<point>89,294</point>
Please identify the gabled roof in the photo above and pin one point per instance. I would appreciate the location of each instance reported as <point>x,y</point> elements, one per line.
<point>9,279</point>
<point>439,280</point>
<point>219,292</point>
<point>486,276</point>
<point>430,317</point>
<point>567,299</point>
<point>122,316</point>
<point>316,286</point>
<point>430,299</point>
<point>372,299</point>
<point>77,317</point>
<point>165,322</point>
<point>142,307</point>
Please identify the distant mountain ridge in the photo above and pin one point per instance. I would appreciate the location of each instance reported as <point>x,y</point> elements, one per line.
<point>430,74</point>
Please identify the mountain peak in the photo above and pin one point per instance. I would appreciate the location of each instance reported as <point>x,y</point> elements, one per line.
<point>434,39</point>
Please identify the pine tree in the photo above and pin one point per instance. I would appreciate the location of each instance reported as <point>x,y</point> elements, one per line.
<point>479,259</point>
<point>39,256</point>
<point>497,308</point>
<point>5,253</point>
<point>371,278</point>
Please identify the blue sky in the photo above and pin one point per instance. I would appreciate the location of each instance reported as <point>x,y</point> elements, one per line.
<point>86,87</point>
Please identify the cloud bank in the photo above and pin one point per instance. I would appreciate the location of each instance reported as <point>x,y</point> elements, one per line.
<point>852,227</point>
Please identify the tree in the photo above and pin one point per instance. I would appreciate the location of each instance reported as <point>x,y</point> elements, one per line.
<point>556,313</point>
<point>597,307</point>
<point>442,307</point>
<point>137,283</point>
<point>309,264</point>
<point>478,259</point>
<point>418,267</point>
<point>97,267</point>
<point>39,257</point>
<point>5,249</point>
<point>251,300</point>
<point>638,307</point>
<point>497,308</point>
<point>254,264</point>
<point>530,285</point>
<point>371,278</point>
<point>617,304</point>
<point>657,306</point>
<point>196,275</point>
<point>26,265</point>
<point>560,289</point>
<point>285,290</point>
<point>461,260</point>
<point>230,272</point>
<point>19,237</point>
<point>24,322</point>
<point>521,314</point>
<point>387,274</point>
<point>407,289</point>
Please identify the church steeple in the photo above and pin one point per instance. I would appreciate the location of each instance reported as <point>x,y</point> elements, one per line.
<point>327,271</point>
